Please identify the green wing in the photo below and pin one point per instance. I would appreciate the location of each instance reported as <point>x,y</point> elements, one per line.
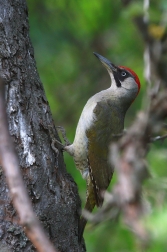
<point>108,122</point>
<point>99,137</point>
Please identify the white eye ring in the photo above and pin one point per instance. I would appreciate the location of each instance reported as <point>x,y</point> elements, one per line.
<point>123,74</point>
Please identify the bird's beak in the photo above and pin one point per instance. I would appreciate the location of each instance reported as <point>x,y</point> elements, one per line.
<point>108,65</point>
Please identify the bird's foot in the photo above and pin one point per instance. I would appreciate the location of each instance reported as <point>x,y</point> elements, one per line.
<point>56,145</point>
<point>63,133</point>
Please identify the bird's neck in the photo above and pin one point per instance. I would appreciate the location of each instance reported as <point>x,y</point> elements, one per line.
<point>117,100</point>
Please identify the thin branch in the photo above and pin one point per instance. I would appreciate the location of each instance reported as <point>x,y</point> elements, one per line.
<point>157,138</point>
<point>21,202</point>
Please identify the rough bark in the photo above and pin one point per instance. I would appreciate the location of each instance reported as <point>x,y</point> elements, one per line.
<point>52,191</point>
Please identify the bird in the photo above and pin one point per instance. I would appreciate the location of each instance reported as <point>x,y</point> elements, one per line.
<point>101,120</point>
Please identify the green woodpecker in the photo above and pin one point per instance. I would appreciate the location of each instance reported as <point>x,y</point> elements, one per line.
<point>101,120</point>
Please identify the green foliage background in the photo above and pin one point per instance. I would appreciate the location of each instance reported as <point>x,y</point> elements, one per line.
<point>64,35</point>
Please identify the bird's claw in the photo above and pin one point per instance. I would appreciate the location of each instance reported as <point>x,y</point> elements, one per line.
<point>63,132</point>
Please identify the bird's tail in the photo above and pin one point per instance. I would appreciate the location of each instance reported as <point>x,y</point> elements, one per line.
<point>89,206</point>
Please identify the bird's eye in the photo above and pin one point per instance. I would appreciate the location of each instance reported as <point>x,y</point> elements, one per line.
<point>123,74</point>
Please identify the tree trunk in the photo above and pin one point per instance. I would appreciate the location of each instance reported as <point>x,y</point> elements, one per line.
<point>53,192</point>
